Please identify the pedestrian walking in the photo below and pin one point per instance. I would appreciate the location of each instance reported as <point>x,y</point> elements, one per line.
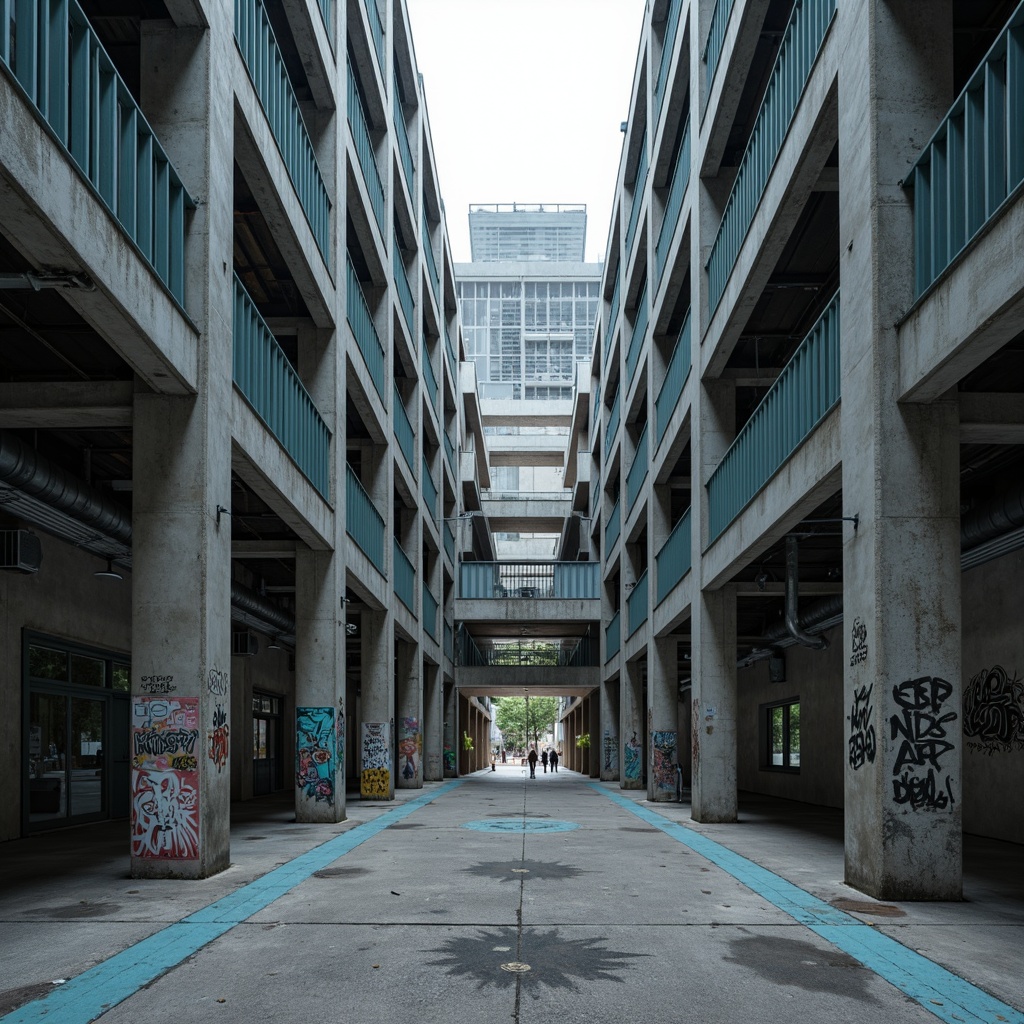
<point>554,760</point>
<point>544,760</point>
<point>532,758</point>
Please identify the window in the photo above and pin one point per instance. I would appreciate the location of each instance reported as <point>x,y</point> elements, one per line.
<point>780,723</point>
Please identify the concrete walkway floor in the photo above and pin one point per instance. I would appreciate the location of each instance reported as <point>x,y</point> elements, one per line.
<point>499,898</point>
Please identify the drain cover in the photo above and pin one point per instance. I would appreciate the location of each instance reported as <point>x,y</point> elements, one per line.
<point>520,825</point>
<point>515,967</point>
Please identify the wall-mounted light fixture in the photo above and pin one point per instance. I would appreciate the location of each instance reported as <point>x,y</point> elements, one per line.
<point>110,573</point>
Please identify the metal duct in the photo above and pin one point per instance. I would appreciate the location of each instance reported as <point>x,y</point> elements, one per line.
<point>248,601</point>
<point>819,643</point>
<point>24,468</point>
<point>993,518</point>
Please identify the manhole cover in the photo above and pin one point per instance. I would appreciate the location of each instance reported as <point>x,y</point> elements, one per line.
<point>520,825</point>
<point>515,967</point>
<point>863,907</point>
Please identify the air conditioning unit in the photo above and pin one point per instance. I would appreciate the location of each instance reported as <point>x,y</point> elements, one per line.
<point>20,551</point>
<point>244,644</point>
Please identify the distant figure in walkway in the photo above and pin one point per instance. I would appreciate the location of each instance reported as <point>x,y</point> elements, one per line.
<point>503,761</point>
<point>532,758</point>
<point>554,760</point>
<point>544,760</point>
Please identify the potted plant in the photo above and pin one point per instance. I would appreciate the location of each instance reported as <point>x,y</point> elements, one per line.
<point>467,746</point>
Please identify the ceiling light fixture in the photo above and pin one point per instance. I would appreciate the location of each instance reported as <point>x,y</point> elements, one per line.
<point>110,573</point>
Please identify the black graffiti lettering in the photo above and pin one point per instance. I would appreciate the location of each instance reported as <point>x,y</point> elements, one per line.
<point>862,748</point>
<point>926,692</point>
<point>166,741</point>
<point>994,711</point>
<point>922,793</point>
<point>921,754</point>
<point>217,682</point>
<point>862,733</point>
<point>920,726</point>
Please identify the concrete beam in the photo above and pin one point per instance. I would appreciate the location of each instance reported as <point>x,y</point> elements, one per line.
<point>991,418</point>
<point>69,406</point>
<point>970,313</point>
<point>263,549</point>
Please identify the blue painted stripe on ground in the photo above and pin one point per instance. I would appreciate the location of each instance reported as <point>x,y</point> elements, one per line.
<point>939,991</point>
<point>93,992</point>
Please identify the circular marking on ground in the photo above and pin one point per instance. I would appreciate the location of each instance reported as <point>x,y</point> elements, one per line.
<point>520,825</point>
<point>520,871</point>
<point>516,968</point>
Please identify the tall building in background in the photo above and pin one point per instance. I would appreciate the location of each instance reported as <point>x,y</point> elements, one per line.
<point>529,306</point>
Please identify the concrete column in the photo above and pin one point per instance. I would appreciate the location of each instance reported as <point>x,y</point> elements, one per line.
<point>713,707</point>
<point>320,618</point>
<point>631,726</point>
<point>377,707</point>
<point>901,567</point>
<point>433,723</point>
<point>319,687</point>
<point>181,575</point>
<point>410,716</point>
<point>450,757</point>
<point>609,738</point>
<point>663,715</point>
<point>595,711</point>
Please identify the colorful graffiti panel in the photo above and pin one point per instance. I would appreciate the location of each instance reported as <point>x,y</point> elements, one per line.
<point>315,753</point>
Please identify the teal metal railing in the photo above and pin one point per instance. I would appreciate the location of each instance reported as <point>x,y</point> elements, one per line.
<point>674,559</point>
<point>637,604</point>
<point>680,179</point>
<point>500,580</point>
<point>449,642</point>
<point>675,379</point>
<point>405,298</point>
<point>265,64</point>
<point>801,42</point>
<point>363,523</point>
<point>449,541</point>
<point>613,314</point>
<point>804,393</point>
<point>428,374</point>
<point>613,424</point>
<point>636,341</point>
<point>637,470</point>
<point>360,321</point>
<point>452,362</point>
<point>435,279</point>
<point>429,490</point>
<point>429,611</point>
<point>613,527</point>
<point>404,149</point>
<point>405,577</point>
<point>449,451</point>
<point>403,431</point>
<point>612,637</point>
<point>65,73</point>
<point>975,159</point>
<point>638,196</point>
<point>715,41</point>
<point>376,30</point>
<point>262,373</point>
<point>671,27</point>
<point>364,147</point>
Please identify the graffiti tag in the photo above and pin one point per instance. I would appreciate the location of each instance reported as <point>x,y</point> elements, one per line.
<point>994,711</point>
<point>858,643</point>
<point>863,746</point>
<point>315,739</point>
<point>921,730</point>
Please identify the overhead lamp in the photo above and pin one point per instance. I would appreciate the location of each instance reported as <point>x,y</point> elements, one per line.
<point>273,645</point>
<point>110,573</point>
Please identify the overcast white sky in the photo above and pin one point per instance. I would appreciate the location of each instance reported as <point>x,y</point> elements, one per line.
<point>525,99</point>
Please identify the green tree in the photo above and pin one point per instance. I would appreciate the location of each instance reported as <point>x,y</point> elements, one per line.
<point>512,721</point>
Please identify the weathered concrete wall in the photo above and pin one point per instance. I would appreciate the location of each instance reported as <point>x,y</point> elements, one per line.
<point>993,712</point>
<point>64,599</point>
<point>816,678</point>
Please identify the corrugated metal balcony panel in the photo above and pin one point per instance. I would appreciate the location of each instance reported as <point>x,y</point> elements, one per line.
<point>364,148</point>
<point>360,321</point>
<point>429,490</point>
<point>637,470</point>
<point>405,298</point>
<point>363,523</point>
<point>262,373</point>
<point>716,40</point>
<point>636,342</point>
<point>403,431</point>
<point>637,604</point>
<point>613,424</point>
<point>975,159</point>
<point>502,580</point>
<point>612,637</point>
<point>614,526</point>
<point>680,179</point>
<point>429,611</point>
<point>674,559</point>
<point>377,31</point>
<point>675,380</point>
<point>801,42</point>
<point>265,64</point>
<point>805,392</point>
<point>405,577</point>
<point>67,76</point>
<point>404,149</point>
<point>671,29</point>
<point>429,379</point>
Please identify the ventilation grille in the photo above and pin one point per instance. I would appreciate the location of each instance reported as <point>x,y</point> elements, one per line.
<point>244,644</point>
<point>20,551</point>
